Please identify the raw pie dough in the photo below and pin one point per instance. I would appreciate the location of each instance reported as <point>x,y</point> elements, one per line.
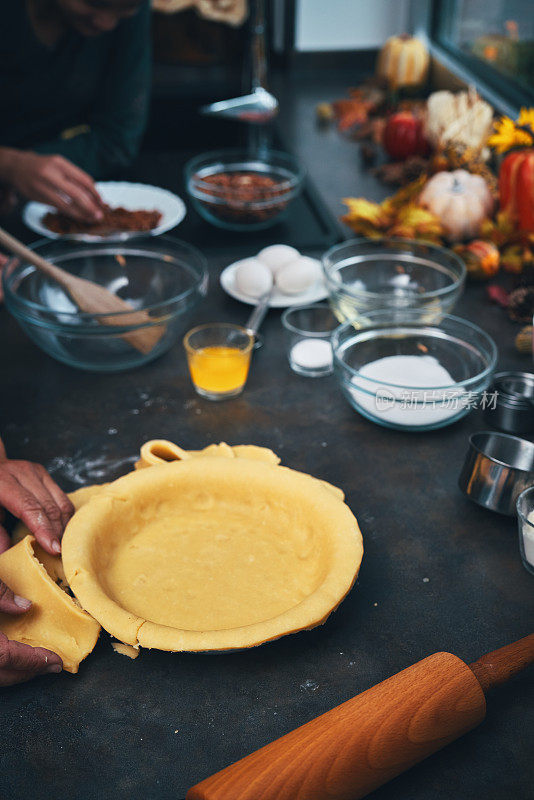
<point>211,553</point>
<point>194,555</point>
<point>54,621</point>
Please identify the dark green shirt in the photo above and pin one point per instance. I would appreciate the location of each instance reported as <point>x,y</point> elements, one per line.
<point>100,82</point>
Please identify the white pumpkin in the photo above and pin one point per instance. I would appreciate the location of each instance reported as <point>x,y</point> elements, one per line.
<point>460,200</point>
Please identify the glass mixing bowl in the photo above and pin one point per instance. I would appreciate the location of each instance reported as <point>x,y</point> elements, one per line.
<point>250,205</point>
<point>362,275</point>
<point>464,350</point>
<point>164,277</point>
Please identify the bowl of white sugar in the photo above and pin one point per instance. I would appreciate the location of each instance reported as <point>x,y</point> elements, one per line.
<point>411,375</point>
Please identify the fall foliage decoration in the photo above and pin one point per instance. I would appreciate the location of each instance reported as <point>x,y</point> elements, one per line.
<point>397,216</point>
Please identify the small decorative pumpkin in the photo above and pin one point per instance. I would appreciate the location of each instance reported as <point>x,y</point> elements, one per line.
<point>482,259</point>
<point>461,202</point>
<point>403,136</point>
<point>403,61</point>
<point>516,188</point>
<point>460,119</point>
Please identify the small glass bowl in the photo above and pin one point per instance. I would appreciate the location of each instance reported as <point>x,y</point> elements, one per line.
<point>525,506</point>
<point>244,208</point>
<point>218,357</point>
<point>163,276</point>
<point>308,333</point>
<point>467,353</point>
<point>363,275</point>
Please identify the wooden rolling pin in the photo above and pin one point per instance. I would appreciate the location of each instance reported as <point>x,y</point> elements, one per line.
<point>365,742</point>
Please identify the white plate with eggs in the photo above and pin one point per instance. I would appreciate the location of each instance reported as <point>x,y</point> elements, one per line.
<point>295,279</point>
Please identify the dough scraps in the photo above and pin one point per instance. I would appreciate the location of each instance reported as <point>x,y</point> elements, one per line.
<point>125,649</point>
<point>159,451</point>
<point>54,621</point>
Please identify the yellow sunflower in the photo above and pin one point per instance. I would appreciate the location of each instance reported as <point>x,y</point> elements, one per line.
<point>509,134</point>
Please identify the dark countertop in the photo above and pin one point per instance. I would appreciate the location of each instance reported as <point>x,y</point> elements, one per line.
<point>439,573</point>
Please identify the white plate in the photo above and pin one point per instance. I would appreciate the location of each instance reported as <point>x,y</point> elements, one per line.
<point>132,196</point>
<point>278,299</point>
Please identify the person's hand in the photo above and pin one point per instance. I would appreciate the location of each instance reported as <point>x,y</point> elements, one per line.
<point>53,180</point>
<point>30,494</point>
<point>20,662</point>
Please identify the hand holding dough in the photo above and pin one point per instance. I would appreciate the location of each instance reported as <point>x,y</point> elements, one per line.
<point>20,662</point>
<point>28,492</point>
<point>54,621</point>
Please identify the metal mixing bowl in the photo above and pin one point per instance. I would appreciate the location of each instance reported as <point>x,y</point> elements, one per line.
<point>165,277</point>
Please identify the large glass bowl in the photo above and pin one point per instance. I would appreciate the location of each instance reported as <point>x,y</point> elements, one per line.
<point>362,275</point>
<point>243,208</point>
<point>164,277</point>
<point>467,353</point>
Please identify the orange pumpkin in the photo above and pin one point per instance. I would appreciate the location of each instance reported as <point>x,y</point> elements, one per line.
<point>516,188</point>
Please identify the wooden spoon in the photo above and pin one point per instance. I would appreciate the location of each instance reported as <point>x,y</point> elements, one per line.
<point>92,298</point>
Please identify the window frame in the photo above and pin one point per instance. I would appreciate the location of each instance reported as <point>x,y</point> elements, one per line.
<point>502,92</point>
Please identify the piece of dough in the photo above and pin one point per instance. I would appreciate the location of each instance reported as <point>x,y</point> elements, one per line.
<point>54,621</point>
<point>161,451</point>
<point>211,554</point>
<point>125,649</point>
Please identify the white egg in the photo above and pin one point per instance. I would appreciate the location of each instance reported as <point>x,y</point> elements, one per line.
<point>253,278</point>
<point>276,256</point>
<point>298,276</point>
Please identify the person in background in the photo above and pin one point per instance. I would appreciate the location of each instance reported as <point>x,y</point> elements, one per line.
<point>74,89</point>
<point>28,492</point>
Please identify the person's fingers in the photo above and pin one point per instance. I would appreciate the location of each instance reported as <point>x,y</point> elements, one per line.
<point>31,479</point>
<point>75,202</point>
<point>65,506</point>
<point>24,505</point>
<point>20,662</point>
<point>11,603</point>
<point>77,175</point>
<point>47,193</point>
<point>82,199</point>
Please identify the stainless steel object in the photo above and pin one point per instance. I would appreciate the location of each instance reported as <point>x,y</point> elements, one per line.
<point>510,404</point>
<point>497,468</point>
<point>256,318</point>
<point>259,106</point>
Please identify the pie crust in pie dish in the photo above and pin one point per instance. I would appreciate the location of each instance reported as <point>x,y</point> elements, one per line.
<point>211,553</point>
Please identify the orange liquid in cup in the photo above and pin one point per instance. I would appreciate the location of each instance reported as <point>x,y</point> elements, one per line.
<point>219,369</point>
